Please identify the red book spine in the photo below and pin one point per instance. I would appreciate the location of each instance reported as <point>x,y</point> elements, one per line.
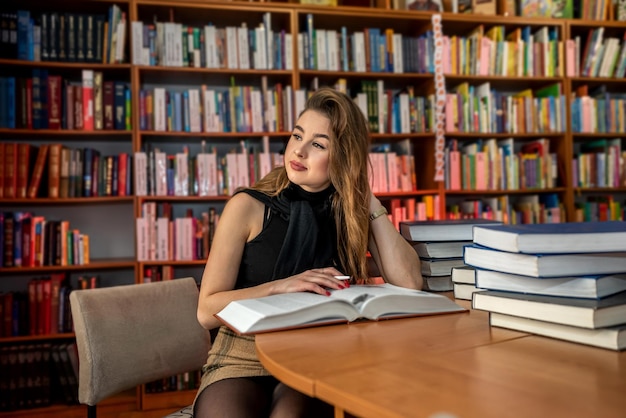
<point>54,102</point>
<point>88,100</point>
<point>32,306</point>
<point>10,170</point>
<point>23,169</point>
<point>109,104</point>
<point>29,103</point>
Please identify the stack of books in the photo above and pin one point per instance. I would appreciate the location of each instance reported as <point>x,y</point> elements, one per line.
<point>565,281</point>
<point>464,282</point>
<point>439,244</point>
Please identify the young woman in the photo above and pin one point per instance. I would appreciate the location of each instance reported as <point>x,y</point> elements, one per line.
<point>297,228</point>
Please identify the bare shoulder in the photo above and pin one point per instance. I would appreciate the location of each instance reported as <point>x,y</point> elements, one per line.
<point>244,214</point>
<point>244,204</point>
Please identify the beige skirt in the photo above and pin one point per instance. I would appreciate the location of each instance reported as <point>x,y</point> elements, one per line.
<point>231,355</point>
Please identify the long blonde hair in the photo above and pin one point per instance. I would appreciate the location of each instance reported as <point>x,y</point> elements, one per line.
<point>348,155</point>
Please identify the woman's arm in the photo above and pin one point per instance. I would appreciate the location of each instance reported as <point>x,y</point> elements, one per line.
<point>241,221</point>
<point>396,260</point>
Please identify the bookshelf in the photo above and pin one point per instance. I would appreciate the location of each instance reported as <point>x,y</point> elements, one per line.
<point>110,219</point>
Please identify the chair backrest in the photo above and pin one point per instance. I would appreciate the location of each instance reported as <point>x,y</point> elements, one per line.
<point>134,334</point>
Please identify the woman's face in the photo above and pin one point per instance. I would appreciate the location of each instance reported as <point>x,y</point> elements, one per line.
<point>307,154</point>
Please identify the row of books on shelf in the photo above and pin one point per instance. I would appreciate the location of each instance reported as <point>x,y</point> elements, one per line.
<point>57,171</point>
<point>503,164</point>
<point>33,241</point>
<point>600,163</point>
<point>60,36</point>
<point>599,57</point>
<point>163,237</point>
<point>205,174</point>
<point>480,108</point>
<point>43,309</point>
<point>523,209</point>
<point>179,382</point>
<point>46,101</point>
<point>38,375</point>
<point>241,47</point>
<point>563,281</point>
<point>600,208</point>
<point>522,52</point>
<point>235,109</point>
<point>389,111</point>
<point>369,50</point>
<point>606,114</point>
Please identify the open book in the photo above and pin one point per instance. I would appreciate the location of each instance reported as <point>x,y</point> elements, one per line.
<point>304,309</point>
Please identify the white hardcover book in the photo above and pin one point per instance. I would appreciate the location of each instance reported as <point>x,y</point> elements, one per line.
<point>178,239</point>
<point>159,110</point>
<point>211,117</point>
<point>141,180</point>
<point>181,179</point>
<point>256,107</point>
<point>299,101</point>
<point>382,105</point>
<point>142,240</point>
<point>398,58</point>
<point>242,47</point>
<point>121,41</point>
<point>392,172</point>
<point>288,57</point>
<point>232,170</point>
<point>332,50</point>
<point>162,239</point>
<point>361,101</point>
<point>195,124</point>
<point>137,30</point>
<point>269,40</point>
<point>170,35</point>
<point>243,170</point>
<point>178,45</point>
<point>288,107</point>
<point>300,40</point>
<point>405,116</point>
<point>150,215</point>
<point>270,112</point>
<point>231,47</point>
<point>211,172</point>
<point>210,50</point>
<point>187,238</point>
<point>203,178</point>
<point>265,163</point>
<point>260,62</point>
<point>160,173</point>
<point>321,51</point>
<point>358,51</point>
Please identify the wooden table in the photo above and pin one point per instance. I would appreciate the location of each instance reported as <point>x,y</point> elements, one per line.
<point>454,364</point>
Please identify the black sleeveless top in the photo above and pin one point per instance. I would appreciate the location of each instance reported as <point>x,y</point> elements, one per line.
<point>276,241</point>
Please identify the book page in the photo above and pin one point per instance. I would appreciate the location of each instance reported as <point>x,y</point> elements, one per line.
<point>285,310</point>
<point>377,301</point>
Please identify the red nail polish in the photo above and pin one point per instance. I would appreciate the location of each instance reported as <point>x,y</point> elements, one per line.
<point>327,293</point>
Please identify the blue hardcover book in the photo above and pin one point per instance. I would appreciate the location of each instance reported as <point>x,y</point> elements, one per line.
<point>10,102</point>
<point>3,103</point>
<point>574,237</point>
<point>119,106</point>
<point>545,265</point>
<point>23,20</point>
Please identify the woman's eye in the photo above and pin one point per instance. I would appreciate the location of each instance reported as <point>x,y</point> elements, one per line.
<point>297,137</point>
<point>319,145</point>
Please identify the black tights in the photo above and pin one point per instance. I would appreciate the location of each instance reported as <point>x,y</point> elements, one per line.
<point>253,397</point>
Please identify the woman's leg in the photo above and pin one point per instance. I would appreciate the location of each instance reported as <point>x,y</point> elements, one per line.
<point>289,403</point>
<point>237,397</point>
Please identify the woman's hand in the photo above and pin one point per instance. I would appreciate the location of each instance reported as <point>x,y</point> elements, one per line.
<point>314,280</point>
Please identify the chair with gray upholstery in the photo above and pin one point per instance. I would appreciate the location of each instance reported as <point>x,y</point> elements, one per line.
<point>134,334</point>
